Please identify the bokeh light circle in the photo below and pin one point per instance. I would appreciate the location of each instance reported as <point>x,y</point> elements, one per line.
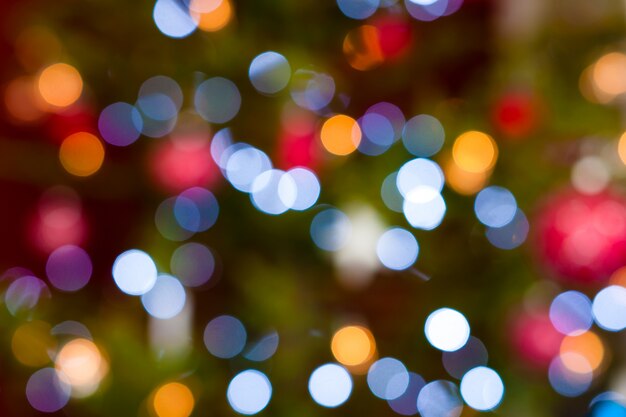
<point>69,268</point>
<point>134,272</point>
<point>225,337</point>
<point>397,249</point>
<point>330,385</point>
<point>165,299</point>
<point>388,378</point>
<point>217,100</point>
<point>482,388</point>
<point>439,399</point>
<point>269,72</point>
<point>249,392</point>
<point>447,329</point>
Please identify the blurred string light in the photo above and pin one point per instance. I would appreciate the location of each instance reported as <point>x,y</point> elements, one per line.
<point>307,188</point>
<point>209,18</point>
<point>46,392</point>
<point>264,348</point>
<point>32,344</point>
<point>330,385</point>
<point>69,268</point>
<point>567,382</point>
<point>570,313</point>
<point>581,352</point>
<point>165,299</point>
<point>406,404</point>
<point>330,229</point>
<point>249,392</point>
<point>362,49</point>
<point>24,294</point>
<point>172,19</point>
<point>60,85</point>
<point>134,272</point>
<point>171,338</point>
<point>71,328</point>
<point>510,236</point>
<point>160,98</point>
<point>340,135</point>
<point>390,194</point>
<point>173,399</point>
<point>495,206</point>
<point>609,308</point>
<point>397,249</point>
<point>244,164</point>
<point>312,90</point>
<point>120,124</point>
<point>602,82</point>
<point>475,152</point>
<point>193,263</point>
<point>590,175</point>
<point>273,192</point>
<point>358,9</point>
<point>439,398</point>
<point>217,100</point>
<point>81,154</point>
<point>23,102</point>
<point>167,224</point>
<point>429,10</point>
<point>377,134</point>
<point>353,345</point>
<point>472,355</point>
<point>269,72</point>
<point>464,182</point>
<point>225,337</point>
<point>81,365</point>
<point>388,378</point>
<point>447,329</point>
<point>482,388</point>
<point>608,404</point>
<point>420,182</point>
<point>423,135</point>
<point>196,209</point>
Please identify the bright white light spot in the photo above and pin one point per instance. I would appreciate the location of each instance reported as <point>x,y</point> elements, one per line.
<point>269,72</point>
<point>609,308</point>
<point>439,399</point>
<point>419,172</point>
<point>397,249</point>
<point>495,206</point>
<point>172,19</point>
<point>308,188</point>
<point>273,192</point>
<point>166,298</point>
<point>330,385</point>
<point>590,175</point>
<point>134,272</point>
<point>388,378</point>
<point>570,313</point>
<point>482,388</point>
<point>249,392</point>
<point>244,165</point>
<point>358,9</point>
<point>447,329</point>
<point>425,215</point>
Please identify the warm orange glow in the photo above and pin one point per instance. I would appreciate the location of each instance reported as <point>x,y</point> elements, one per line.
<point>361,46</point>
<point>353,345</point>
<point>621,148</point>
<point>475,152</point>
<point>608,74</point>
<point>81,365</point>
<point>32,343</point>
<point>81,154</point>
<point>618,277</point>
<point>589,351</point>
<point>173,400</point>
<point>22,101</point>
<point>463,182</point>
<point>60,85</point>
<point>341,135</point>
<point>215,19</point>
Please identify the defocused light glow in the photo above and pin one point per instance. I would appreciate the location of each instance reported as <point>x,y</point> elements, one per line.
<point>307,188</point>
<point>475,152</point>
<point>244,165</point>
<point>60,84</point>
<point>427,12</point>
<point>423,135</point>
<point>22,100</point>
<point>621,148</point>
<point>71,328</point>
<point>358,9</point>
<point>312,90</point>
<point>81,154</point>
<point>273,192</point>
<point>46,392</point>
<point>377,134</point>
<point>482,388</point>
<point>427,211</point>
<point>196,209</point>
<point>353,345</point>
<point>134,272</point>
<point>24,293</point>
<point>330,385</point>
<point>587,346</point>
<point>193,263</point>
<point>32,344</point>
<point>406,404</point>
<point>566,382</point>
<point>397,249</point>
<point>249,392</point>
<point>472,355</point>
<point>361,47</point>
<point>120,124</point>
<point>439,399</point>
<point>447,329</point>
<point>69,268</point>
<point>81,365</point>
<point>495,206</point>
<point>510,236</point>
<point>217,100</point>
<point>264,348</point>
<point>390,194</point>
<point>215,19</point>
<point>388,378</point>
<point>608,73</point>
<point>269,72</point>
<point>166,222</point>
<point>609,308</point>
<point>392,113</point>
<point>330,229</point>
<point>225,337</point>
<point>570,313</point>
<point>165,299</point>
<point>340,135</point>
<point>173,400</point>
<point>160,98</point>
<point>463,182</point>
<point>172,19</point>
<point>420,179</point>
<point>590,175</point>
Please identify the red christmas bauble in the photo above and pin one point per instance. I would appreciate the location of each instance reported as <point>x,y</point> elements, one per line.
<point>582,238</point>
